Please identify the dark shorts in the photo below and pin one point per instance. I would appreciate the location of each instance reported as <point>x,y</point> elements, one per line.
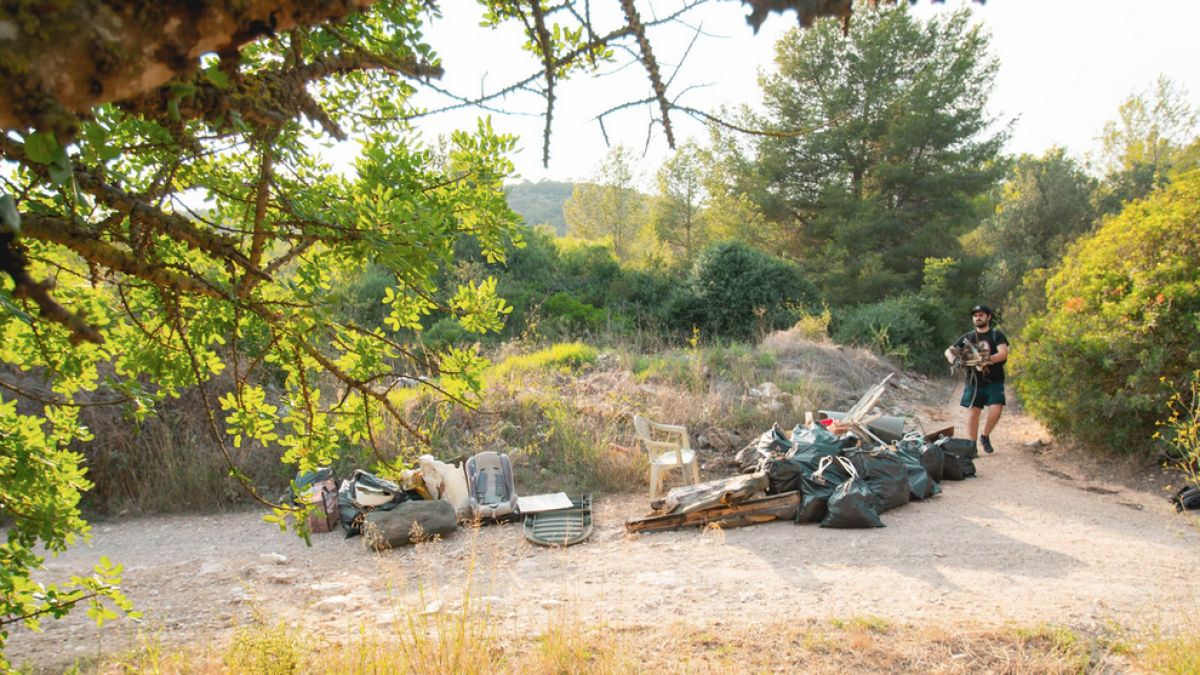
<point>983,395</point>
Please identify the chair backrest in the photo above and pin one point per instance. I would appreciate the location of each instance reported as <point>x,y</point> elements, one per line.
<point>641,425</point>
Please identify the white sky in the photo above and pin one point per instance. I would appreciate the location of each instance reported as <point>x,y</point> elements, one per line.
<point>1065,67</point>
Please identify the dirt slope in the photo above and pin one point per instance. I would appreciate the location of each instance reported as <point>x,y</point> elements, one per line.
<point>1026,542</point>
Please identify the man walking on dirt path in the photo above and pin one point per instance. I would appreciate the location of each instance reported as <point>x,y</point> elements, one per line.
<point>985,374</point>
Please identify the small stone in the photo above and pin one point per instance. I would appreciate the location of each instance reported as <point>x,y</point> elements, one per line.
<point>550,603</point>
<point>336,603</point>
<point>432,608</point>
<point>273,558</point>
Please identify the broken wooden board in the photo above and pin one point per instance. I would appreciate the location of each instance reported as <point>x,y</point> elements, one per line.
<point>782,506</point>
<point>948,432</point>
<point>723,491</point>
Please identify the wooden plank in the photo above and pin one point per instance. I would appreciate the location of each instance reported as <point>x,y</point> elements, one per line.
<point>948,432</point>
<point>764,506</point>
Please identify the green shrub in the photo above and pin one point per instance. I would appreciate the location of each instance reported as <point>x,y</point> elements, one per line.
<point>446,332</point>
<point>572,315</point>
<point>912,328</point>
<point>1122,315</point>
<point>739,292</point>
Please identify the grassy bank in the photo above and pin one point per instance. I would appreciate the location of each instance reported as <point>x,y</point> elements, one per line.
<point>561,411</point>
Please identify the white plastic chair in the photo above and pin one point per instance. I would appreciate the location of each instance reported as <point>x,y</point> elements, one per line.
<point>678,453</point>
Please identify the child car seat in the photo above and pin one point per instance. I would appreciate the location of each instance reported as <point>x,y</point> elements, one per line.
<point>490,483</point>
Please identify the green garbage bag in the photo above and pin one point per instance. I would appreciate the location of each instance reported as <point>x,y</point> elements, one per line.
<point>930,455</point>
<point>963,447</point>
<point>852,503</point>
<point>783,475</point>
<point>885,473</point>
<point>920,483</point>
<point>815,489</point>
<point>774,443</point>
<point>959,464</point>
<point>807,447</point>
<point>811,443</point>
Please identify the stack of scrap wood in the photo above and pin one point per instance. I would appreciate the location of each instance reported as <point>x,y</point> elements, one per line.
<point>729,501</point>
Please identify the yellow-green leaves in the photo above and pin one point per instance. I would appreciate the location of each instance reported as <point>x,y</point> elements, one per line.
<point>481,310</point>
<point>251,415</point>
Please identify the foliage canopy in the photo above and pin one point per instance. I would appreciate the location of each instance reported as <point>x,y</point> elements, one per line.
<point>1118,335</point>
<point>879,143</point>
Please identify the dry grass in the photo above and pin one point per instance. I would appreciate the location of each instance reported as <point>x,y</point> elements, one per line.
<point>561,411</point>
<point>465,642</point>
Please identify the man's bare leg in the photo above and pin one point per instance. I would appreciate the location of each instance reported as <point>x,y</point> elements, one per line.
<point>993,418</point>
<point>973,422</point>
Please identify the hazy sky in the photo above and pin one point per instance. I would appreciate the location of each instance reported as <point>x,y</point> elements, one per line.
<point>1066,65</point>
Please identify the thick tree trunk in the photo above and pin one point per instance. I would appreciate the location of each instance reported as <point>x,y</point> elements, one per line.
<point>59,60</point>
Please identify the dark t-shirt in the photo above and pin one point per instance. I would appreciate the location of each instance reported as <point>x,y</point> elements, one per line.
<point>986,342</point>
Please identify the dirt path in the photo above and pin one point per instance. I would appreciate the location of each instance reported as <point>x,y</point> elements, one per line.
<point>1022,543</point>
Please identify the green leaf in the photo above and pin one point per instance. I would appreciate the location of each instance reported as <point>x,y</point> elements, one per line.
<point>10,217</point>
<point>81,198</point>
<point>59,175</point>
<point>173,109</point>
<point>60,166</point>
<point>217,77</point>
<point>182,90</point>
<point>39,147</point>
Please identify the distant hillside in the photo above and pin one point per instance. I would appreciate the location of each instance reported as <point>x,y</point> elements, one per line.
<point>541,202</point>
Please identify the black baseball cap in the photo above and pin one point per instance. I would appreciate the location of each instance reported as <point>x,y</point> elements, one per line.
<point>981,308</point>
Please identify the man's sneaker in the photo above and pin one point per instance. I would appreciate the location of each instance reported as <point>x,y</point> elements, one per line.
<point>987,444</point>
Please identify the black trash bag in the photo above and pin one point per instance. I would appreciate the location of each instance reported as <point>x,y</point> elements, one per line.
<point>968,467</point>
<point>886,475</point>
<point>933,460</point>
<point>783,475</point>
<point>929,456</point>
<point>963,447</point>
<point>852,503</point>
<point>956,466</point>
<point>774,443</point>
<point>920,483</point>
<point>815,489</point>
<point>811,443</point>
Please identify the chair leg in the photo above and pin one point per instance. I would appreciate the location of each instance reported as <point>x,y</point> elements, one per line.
<point>653,481</point>
<point>695,473</point>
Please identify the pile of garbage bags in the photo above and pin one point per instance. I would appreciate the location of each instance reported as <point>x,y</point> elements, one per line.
<point>844,483</point>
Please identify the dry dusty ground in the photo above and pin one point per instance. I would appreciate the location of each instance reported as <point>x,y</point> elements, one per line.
<point>1032,539</point>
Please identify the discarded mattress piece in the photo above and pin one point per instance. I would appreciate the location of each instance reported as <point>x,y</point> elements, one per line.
<point>841,472</point>
<point>561,527</point>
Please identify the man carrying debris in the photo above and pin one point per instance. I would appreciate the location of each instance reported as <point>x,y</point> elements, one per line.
<point>982,352</point>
